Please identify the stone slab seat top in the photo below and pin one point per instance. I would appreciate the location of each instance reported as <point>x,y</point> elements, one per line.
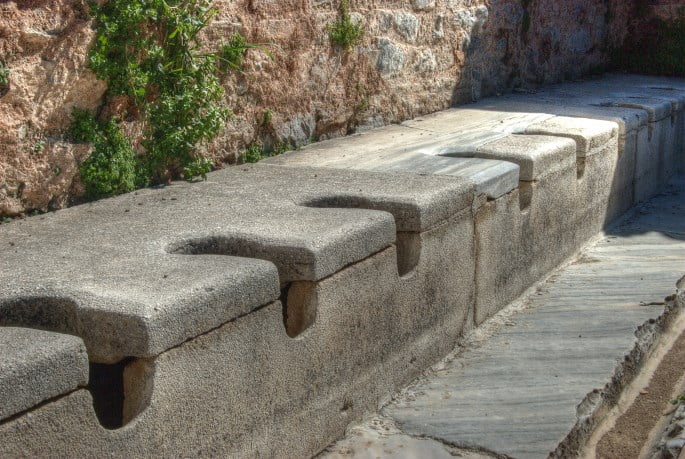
<point>643,81</point>
<point>658,108</point>
<point>480,141</point>
<point>659,97</point>
<point>536,155</point>
<point>403,149</point>
<point>119,272</point>
<point>627,119</point>
<point>37,365</point>
<point>658,102</point>
<point>500,116</point>
<point>590,135</point>
<point>629,100</point>
<point>456,133</point>
<point>476,118</point>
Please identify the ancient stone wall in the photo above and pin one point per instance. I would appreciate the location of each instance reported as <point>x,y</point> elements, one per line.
<point>416,57</point>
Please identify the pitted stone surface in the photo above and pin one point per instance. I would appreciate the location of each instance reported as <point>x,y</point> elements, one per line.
<point>125,283</point>
<point>372,332</point>
<point>491,178</point>
<point>623,92</point>
<point>642,98</point>
<point>657,109</point>
<point>578,158</point>
<point>36,366</point>
<point>481,116</point>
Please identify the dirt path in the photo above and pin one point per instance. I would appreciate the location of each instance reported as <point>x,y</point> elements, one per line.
<point>629,430</point>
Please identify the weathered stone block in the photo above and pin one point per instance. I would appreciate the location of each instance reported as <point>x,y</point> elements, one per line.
<point>36,366</point>
<point>363,330</point>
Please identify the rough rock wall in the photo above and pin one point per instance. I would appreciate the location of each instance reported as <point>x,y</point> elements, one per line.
<point>44,45</point>
<point>416,57</point>
<point>667,9</point>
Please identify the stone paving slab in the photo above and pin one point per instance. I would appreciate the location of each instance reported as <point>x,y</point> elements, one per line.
<point>520,392</point>
<point>380,437</point>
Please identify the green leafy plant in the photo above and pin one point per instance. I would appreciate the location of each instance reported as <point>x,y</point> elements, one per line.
<point>257,152</point>
<point>4,75</point>
<point>4,78</point>
<point>280,148</point>
<point>267,117</point>
<point>344,32</point>
<point>232,54</point>
<point>254,153</point>
<point>525,22</point>
<point>363,96</point>
<point>113,167</point>
<point>38,147</point>
<point>526,18</point>
<point>198,168</point>
<point>149,50</point>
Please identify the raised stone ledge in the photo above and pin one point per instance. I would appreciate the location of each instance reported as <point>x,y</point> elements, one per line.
<point>36,366</point>
<point>114,272</point>
<point>536,156</point>
<point>264,310</point>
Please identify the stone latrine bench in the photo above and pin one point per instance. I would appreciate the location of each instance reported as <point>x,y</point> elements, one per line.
<point>262,311</point>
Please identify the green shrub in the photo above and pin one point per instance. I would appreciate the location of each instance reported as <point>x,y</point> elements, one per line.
<point>4,75</point>
<point>256,152</point>
<point>149,50</point>
<point>526,18</point>
<point>4,79</point>
<point>267,117</point>
<point>525,22</point>
<point>232,54</point>
<point>112,168</point>
<point>343,31</point>
<point>198,168</point>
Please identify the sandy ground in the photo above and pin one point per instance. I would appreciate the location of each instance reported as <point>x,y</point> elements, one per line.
<point>631,429</point>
